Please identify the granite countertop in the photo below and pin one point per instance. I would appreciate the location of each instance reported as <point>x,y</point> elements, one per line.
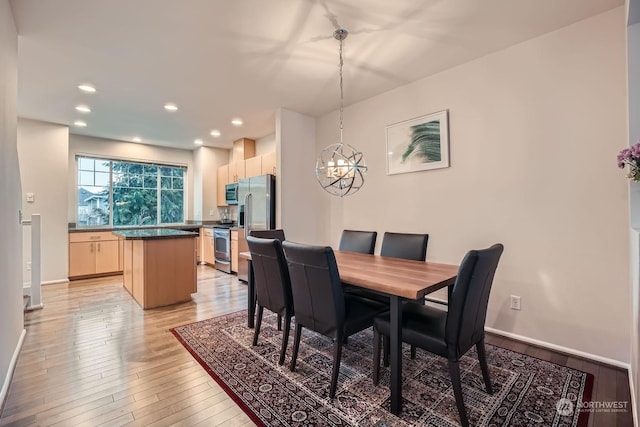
<point>154,233</point>
<point>188,225</point>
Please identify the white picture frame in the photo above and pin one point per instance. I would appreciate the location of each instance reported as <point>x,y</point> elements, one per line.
<point>418,144</point>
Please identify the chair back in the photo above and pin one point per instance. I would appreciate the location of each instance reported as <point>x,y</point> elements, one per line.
<point>271,274</point>
<point>405,245</point>
<point>363,242</point>
<point>277,234</point>
<point>316,288</point>
<point>469,299</point>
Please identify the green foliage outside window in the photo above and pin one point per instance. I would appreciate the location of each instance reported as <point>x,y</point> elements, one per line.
<point>141,194</point>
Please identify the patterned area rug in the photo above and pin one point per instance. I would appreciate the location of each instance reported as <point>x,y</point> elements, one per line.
<point>526,390</point>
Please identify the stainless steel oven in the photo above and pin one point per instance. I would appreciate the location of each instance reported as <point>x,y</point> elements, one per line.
<point>222,249</point>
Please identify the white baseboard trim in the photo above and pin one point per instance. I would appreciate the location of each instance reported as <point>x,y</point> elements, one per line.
<point>574,352</point>
<point>12,365</point>
<point>27,286</point>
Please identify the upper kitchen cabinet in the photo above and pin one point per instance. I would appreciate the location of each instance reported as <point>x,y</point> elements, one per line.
<point>253,166</point>
<point>268,163</point>
<point>237,170</point>
<point>243,149</point>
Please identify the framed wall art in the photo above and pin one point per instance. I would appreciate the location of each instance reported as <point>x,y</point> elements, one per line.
<point>418,144</point>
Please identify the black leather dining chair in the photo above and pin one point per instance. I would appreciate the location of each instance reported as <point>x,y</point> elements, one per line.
<point>320,304</point>
<point>363,242</point>
<point>277,234</point>
<point>405,246</point>
<point>272,284</point>
<point>453,332</point>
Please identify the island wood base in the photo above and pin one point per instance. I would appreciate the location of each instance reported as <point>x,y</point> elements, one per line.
<point>159,272</point>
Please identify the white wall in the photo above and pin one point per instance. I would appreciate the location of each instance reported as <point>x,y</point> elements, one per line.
<point>11,319</point>
<point>43,152</point>
<point>534,133</point>
<point>207,160</point>
<point>79,144</point>
<point>296,211</point>
<point>266,144</point>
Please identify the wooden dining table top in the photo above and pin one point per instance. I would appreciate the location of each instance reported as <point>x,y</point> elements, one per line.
<point>393,276</point>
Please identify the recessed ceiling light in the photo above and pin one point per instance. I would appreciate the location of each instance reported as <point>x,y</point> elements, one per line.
<point>136,139</point>
<point>83,108</point>
<point>215,133</point>
<point>80,123</point>
<point>237,121</point>
<point>169,106</point>
<point>86,87</point>
<point>198,141</point>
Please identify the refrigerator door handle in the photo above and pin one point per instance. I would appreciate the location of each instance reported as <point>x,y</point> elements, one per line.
<point>247,213</point>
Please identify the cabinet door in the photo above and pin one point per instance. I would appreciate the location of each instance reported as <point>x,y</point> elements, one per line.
<point>82,259</point>
<point>254,166</point>
<point>107,256</point>
<point>222,180</point>
<point>207,247</point>
<point>269,163</point>
<point>234,256</point>
<point>236,171</point>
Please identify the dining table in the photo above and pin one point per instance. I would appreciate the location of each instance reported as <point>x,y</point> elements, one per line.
<point>399,279</point>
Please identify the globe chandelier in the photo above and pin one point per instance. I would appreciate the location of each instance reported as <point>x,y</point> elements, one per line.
<point>340,168</point>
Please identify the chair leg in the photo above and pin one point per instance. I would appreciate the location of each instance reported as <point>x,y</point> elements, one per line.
<point>256,331</point>
<point>482,357</point>
<point>386,349</point>
<point>454,372</point>
<point>413,352</point>
<point>337,354</point>
<point>279,322</point>
<point>376,357</point>
<point>296,344</point>
<point>285,338</point>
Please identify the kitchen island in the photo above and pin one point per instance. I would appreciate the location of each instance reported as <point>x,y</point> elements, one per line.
<point>159,265</point>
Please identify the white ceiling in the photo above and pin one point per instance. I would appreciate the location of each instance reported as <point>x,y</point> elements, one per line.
<point>218,59</point>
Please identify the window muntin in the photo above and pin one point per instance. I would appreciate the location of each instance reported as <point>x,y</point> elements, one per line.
<point>122,193</point>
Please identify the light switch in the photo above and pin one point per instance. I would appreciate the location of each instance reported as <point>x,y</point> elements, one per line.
<point>30,198</point>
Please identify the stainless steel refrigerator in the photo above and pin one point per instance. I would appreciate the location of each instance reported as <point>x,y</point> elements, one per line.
<point>256,210</point>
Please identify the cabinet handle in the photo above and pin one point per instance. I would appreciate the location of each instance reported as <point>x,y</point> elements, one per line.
<point>98,246</point>
<point>91,248</point>
<point>274,170</point>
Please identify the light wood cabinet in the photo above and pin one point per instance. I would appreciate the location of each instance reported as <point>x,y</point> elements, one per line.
<point>253,166</point>
<point>160,272</point>
<point>268,163</point>
<point>94,254</point>
<point>243,149</point>
<point>234,250</point>
<point>237,170</point>
<point>207,246</point>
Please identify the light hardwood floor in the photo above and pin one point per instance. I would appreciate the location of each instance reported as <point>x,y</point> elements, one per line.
<point>93,357</point>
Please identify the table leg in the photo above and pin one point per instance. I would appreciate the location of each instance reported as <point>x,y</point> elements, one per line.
<point>396,354</point>
<point>251,296</point>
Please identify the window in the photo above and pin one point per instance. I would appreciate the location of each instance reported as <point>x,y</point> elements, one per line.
<point>140,193</point>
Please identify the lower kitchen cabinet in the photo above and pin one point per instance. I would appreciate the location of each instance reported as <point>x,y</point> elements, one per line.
<point>207,246</point>
<point>94,254</point>
<point>234,249</point>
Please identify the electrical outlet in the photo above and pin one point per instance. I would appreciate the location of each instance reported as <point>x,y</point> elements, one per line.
<point>515,302</point>
<point>211,212</point>
<point>29,266</point>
